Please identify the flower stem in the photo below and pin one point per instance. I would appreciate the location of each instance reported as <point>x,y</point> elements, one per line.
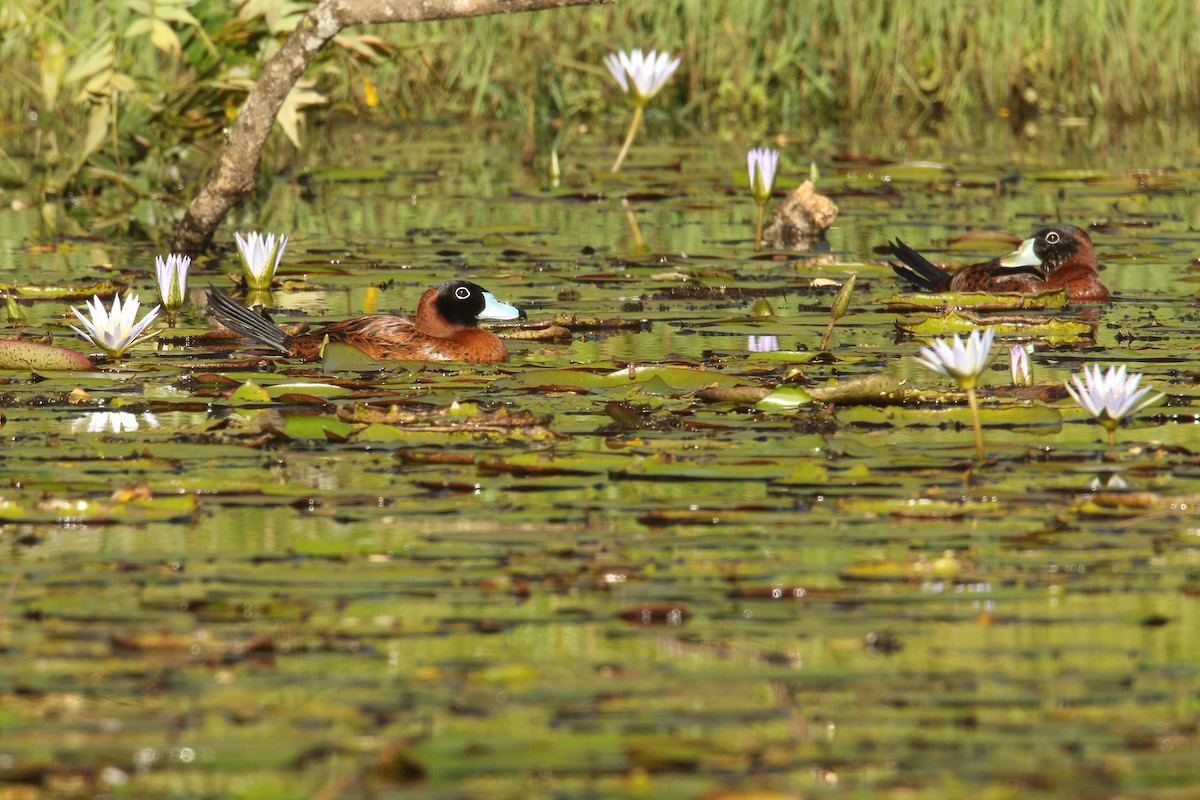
<point>633,128</point>
<point>762,208</point>
<point>974,403</point>
<point>1112,436</point>
<point>828,332</point>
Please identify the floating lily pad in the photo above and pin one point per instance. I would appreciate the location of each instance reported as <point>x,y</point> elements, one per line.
<point>1052,330</point>
<point>979,301</point>
<point>249,393</point>
<point>26,291</point>
<point>342,357</point>
<point>947,566</point>
<point>23,354</point>
<point>785,397</point>
<point>99,512</point>
<point>309,389</point>
<point>672,378</point>
<point>304,426</point>
<point>1032,418</point>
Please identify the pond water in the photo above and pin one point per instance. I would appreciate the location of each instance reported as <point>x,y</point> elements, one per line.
<point>226,575</point>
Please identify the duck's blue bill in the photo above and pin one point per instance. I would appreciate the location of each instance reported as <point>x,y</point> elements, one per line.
<point>495,309</point>
<point>1023,256</point>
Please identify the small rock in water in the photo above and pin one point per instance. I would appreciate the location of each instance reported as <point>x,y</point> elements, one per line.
<point>801,220</point>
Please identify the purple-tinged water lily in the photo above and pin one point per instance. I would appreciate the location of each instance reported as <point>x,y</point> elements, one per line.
<point>260,257</point>
<point>115,330</point>
<point>761,163</point>
<point>962,361</point>
<point>640,77</point>
<point>1112,396</point>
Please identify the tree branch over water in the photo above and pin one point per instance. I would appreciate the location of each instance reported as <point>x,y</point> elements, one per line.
<point>237,168</point>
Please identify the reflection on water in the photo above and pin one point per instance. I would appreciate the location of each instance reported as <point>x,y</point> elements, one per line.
<point>762,343</point>
<point>113,422</point>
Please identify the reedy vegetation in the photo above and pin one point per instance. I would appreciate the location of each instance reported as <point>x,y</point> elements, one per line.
<point>132,94</point>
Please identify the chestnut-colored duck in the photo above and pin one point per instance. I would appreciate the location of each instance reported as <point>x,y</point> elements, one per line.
<point>445,328</point>
<point>1055,257</point>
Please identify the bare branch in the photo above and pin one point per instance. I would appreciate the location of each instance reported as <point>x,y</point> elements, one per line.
<point>238,166</point>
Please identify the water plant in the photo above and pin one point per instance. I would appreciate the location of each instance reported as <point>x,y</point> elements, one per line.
<point>641,77</point>
<point>261,255</point>
<point>761,164</point>
<point>1018,365</point>
<point>962,361</point>
<point>171,277</point>
<point>841,303</point>
<point>1111,396</point>
<point>114,330</point>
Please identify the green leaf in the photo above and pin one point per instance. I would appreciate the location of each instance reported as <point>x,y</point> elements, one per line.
<point>342,357</point>
<point>164,37</point>
<point>1051,329</point>
<point>785,398</point>
<point>313,389</point>
<point>97,131</point>
<point>1054,299</point>
<point>249,392</point>
<point>304,426</point>
<point>20,354</point>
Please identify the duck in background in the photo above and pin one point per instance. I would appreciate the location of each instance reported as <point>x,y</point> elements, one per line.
<point>445,328</point>
<point>1054,257</point>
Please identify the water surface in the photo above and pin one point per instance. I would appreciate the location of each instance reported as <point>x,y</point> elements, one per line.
<point>507,582</point>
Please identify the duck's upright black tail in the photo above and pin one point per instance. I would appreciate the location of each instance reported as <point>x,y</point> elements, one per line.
<point>246,321</point>
<point>917,270</point>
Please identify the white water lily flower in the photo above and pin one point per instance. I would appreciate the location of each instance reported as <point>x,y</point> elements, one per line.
<point>964,361</point>
<point>260,257</point>
<point>171,274</point>
<point>1018,365</point>
<point>641,76</point>
<point>1112,396</point>
<point>115,331</point>
<point>762,163</point>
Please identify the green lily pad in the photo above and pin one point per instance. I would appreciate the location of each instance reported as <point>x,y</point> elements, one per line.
<point>977,300</point>
<point>785,398</point>
<point>342,357</point>
<point>249,392</point>
<point>659,378</point>
<point>80,511</point>
<point>311,389</point>
<point>947,566</point>
<point>26,291</point>
<point>1067,175</point>
<point>1053,330</point>
<point>303,426</point>
<point>1031,419</point>
<point>22,354</point>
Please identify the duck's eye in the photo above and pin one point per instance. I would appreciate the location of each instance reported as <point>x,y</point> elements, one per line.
<point>462,293</point>
<point>1052,238</point>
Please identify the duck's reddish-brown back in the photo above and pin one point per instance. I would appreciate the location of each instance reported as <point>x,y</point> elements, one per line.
<point>388,337</point>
